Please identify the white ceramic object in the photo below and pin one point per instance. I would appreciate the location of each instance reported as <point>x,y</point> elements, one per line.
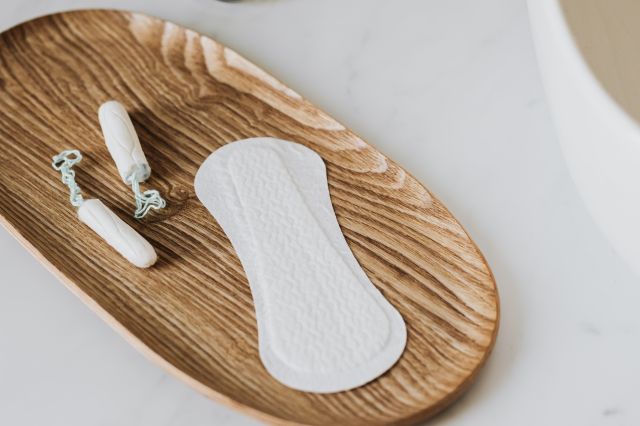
<point>122,141</point>
<point>588,57</point>
<point>322,325</point>
<point>117,233</point>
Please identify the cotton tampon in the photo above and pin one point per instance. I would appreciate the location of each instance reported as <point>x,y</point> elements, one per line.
<point>125,149</point>
<point>122,142</point>
<point>117,233</point>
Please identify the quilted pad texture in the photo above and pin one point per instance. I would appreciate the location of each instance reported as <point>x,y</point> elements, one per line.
<point>323,326</point>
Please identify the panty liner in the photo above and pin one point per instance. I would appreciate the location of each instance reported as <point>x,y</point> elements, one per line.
<point>322,325</point>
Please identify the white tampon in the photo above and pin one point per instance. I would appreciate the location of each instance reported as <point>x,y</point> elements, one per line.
<point>123,143</point>
<point>117,233</point>
<point>125,149</point>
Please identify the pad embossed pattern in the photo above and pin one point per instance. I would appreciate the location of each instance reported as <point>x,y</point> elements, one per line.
<point>323,326</point>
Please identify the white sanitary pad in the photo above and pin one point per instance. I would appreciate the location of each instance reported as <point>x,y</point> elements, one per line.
<point>322,325</point>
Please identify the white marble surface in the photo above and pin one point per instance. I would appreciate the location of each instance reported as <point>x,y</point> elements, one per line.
<point>449,89</point>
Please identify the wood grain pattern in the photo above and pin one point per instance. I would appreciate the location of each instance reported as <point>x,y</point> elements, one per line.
<point>193,311</point>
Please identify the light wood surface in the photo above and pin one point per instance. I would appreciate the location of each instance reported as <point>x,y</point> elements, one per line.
<point>193,311</point>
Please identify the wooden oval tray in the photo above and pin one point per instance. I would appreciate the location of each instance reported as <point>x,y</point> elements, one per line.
<point>193,312</point>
